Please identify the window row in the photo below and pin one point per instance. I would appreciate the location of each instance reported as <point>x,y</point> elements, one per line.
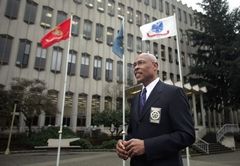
<point>160,51</point>
<point>56,61</point>
<point>171,76</point>
<point>109,104</point>
<point>12,9</point>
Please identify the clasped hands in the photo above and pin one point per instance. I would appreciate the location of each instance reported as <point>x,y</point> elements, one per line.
<point>130,148</point>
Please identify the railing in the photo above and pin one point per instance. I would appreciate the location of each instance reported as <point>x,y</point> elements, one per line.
<point>202,145</point>
<point>227,128</point>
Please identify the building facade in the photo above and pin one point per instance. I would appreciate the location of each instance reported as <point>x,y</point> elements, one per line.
<point>95,75</point>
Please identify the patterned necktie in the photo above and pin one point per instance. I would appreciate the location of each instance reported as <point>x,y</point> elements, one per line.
<point>143,98</point>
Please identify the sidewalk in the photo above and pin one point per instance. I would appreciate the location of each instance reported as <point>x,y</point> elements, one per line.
<point>104,159</point>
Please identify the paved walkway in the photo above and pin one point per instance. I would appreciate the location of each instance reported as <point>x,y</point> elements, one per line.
<point>104,159</point>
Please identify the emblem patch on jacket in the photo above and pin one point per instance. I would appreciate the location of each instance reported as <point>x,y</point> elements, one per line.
<point>155,115</point>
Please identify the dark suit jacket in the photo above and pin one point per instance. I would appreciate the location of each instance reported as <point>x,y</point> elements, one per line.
<point>175,131</point>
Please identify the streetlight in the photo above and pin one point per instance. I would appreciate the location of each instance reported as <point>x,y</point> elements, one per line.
<point>7,151</point>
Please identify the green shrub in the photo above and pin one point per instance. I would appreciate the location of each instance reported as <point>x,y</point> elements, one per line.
<point>40,138</point>
<point>83,143</point>
<point>111,144</point>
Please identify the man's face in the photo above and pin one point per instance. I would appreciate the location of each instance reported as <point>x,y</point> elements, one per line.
<point>145,69</point>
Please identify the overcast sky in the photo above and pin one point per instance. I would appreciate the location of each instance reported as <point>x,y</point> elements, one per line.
<point>192,3</point>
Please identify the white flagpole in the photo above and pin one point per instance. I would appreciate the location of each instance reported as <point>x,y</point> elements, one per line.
<point>181,78</point>
<point>123,90</point>
<point>63,97</point>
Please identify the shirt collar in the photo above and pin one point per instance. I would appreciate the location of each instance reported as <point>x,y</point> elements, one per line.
<point>150,87</point>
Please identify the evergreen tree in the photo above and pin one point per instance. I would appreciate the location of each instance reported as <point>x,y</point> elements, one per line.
<point>217,58</point>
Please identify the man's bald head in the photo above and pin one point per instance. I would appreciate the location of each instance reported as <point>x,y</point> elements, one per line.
<point>145,68</point>
<point>149,56</point>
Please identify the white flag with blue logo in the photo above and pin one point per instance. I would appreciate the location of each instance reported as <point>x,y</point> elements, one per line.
<point>159,29</point>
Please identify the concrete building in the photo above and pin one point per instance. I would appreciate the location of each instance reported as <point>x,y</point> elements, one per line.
<point>94,73</point>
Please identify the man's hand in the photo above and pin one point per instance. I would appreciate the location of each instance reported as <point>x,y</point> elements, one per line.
<point>121,151</point>
<point>134,147</point>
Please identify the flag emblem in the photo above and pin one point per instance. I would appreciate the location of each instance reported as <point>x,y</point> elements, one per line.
<point>157,30</point>
<point>61,32</point>
<point>57,33</point>
<point>162,28</point>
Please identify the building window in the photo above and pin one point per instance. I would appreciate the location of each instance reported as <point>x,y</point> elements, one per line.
<point>121,9</point>
<point>178,77</point>
<point>130,14</point>
<point>109,70</point>
<point>99,33</point>
<point>138,18</point>
<point>5,48</point>
<point>196,22</point>
<point>12,9</point>
<point>108,103</point>
<point>82,109</point>
<point>170,57</point>
<point>130,74</point>
<point>173,9</point>
<point>119,71</point>
<point>75,25</point>
<point>72,63</point>
<point>23,53</point>
<point>49,118</point>
<point>68,107</point>
<point>87,29</point>
<point>161,5</point>
<point>110,33</point>
<point>30,12</point>
<point>176,57</point>
<point>167,8</point>
<point>101,5</point>
<point>84,71</point>
<point>119,103</point>
<point>46,19</point>
<point>183,59</point>
<point>111,7</point>
<point>155,49</point>
<point>95,103</point>
<point>130,42</point>
<point>90,3</point>
<point>40,60</point>
<point>147,46</point>
<point>97,68</point>
<point>163,52</point>
<point>154,4</point>
<point>185,16</point>
<point>78,1</point>
<point>164,75</point>
<point>191,20</point>
<point>146,18</point>
<point>56,59</point>
<point>61,16</point>
<point>171,77</point>
<point>139,44</point>
<point>146,2</point>
<point>181,35</point>
<point>179,14</point>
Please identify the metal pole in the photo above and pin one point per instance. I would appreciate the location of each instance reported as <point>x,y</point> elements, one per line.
<point>123,93</point>
<point>7,151</point>
<point>181,78</point>
<point>63,98</point>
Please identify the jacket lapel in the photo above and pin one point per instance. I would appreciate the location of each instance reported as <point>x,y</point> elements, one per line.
<point>153,97</point>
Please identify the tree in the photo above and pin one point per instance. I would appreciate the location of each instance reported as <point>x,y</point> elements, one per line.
<point>32,99</point>
<point>217,58</point>
<point>109,118</point>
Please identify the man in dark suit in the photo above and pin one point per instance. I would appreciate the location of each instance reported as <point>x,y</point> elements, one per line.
<point>160,121</point>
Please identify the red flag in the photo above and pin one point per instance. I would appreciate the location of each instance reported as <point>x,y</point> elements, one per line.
<point>60,32</point>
